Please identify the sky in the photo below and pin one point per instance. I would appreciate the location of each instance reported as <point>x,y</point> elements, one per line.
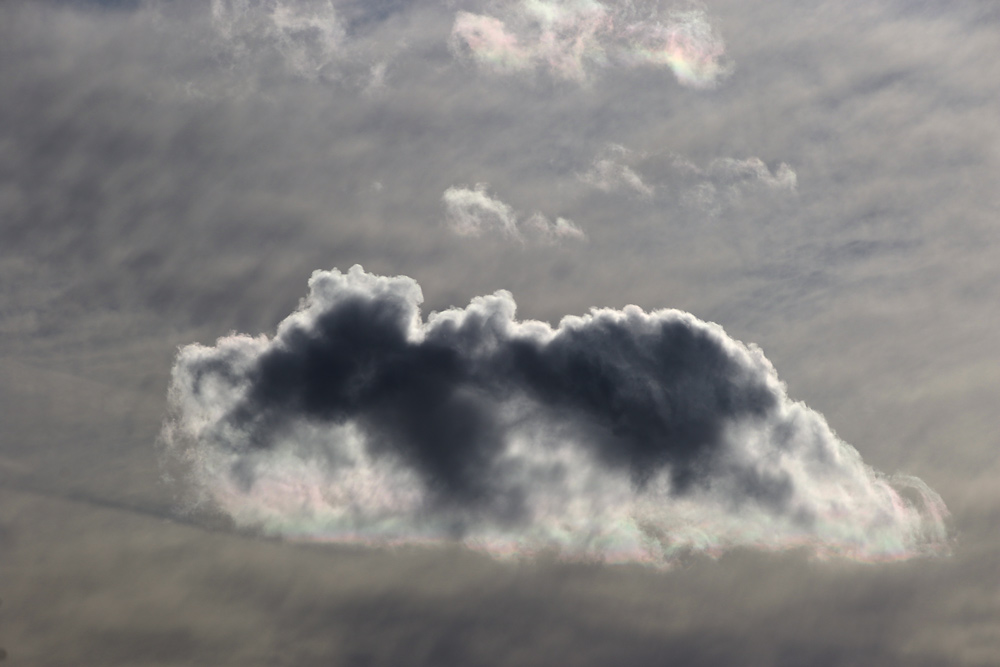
<point>513,332</point>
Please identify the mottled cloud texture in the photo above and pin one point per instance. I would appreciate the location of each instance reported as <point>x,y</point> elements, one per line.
<point>474,212</point>
<point>572,38</point>
<point>618,435</point>
<point>253,44</point>
<point>306,35</point>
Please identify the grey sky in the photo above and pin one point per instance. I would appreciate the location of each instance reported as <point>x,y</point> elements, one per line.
<point>169,175</point>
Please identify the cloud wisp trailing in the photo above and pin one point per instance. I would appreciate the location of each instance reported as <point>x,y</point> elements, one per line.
<point>570,39</point>
<point>621,435</point>
<point>614,170</point>
<point>724,183</point>
<point>474,212</point>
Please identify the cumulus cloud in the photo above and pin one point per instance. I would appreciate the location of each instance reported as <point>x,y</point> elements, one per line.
<point>572,38</point>
<point>619,435</point>
<point>473,212</point>
<point>724,183</point>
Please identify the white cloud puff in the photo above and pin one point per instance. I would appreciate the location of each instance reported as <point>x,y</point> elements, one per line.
<point>474,212</point>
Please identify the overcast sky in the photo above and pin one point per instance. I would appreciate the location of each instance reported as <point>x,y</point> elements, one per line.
<point>775,441</point>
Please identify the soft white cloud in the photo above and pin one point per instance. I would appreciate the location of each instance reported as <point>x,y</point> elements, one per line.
<point>546,229</point>
<point>474,212</point>
<point>471,212</point>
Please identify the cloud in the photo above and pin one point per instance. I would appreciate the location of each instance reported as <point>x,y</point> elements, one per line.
<point>473,212</point>
<point>572,38</point>
<point>610,172</point>
<point>724,183</point>
<point>305,34</point>
<point>753,171</point>
<point>547,230</point>
<point>254,44</point>
<point>620,435</point>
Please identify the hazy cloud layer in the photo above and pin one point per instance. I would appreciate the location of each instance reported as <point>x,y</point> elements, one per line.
<point>473,212</point>
<point>305,34</point>
<point>239,48</point>
<point>620,435</point>
<point>572,38</point>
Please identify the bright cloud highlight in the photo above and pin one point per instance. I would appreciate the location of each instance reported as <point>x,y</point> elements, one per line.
<point>572,38</point>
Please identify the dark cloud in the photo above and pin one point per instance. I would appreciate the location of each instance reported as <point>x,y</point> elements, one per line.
<point>485,423</point>
<point>652,391</point>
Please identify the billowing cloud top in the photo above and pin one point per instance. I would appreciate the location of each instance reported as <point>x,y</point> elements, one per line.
<point>570,38</point>
<point>618,435</point>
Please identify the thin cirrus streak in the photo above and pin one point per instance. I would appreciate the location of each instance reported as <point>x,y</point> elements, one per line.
<point>619,436</point>
<point>571,38</point>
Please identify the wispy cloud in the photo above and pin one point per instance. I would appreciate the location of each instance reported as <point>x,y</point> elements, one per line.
<point>612,172</point>
<point>305,34</point>
<point>474,212</point>
<point>256,43</point>
<point>723,183</point>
